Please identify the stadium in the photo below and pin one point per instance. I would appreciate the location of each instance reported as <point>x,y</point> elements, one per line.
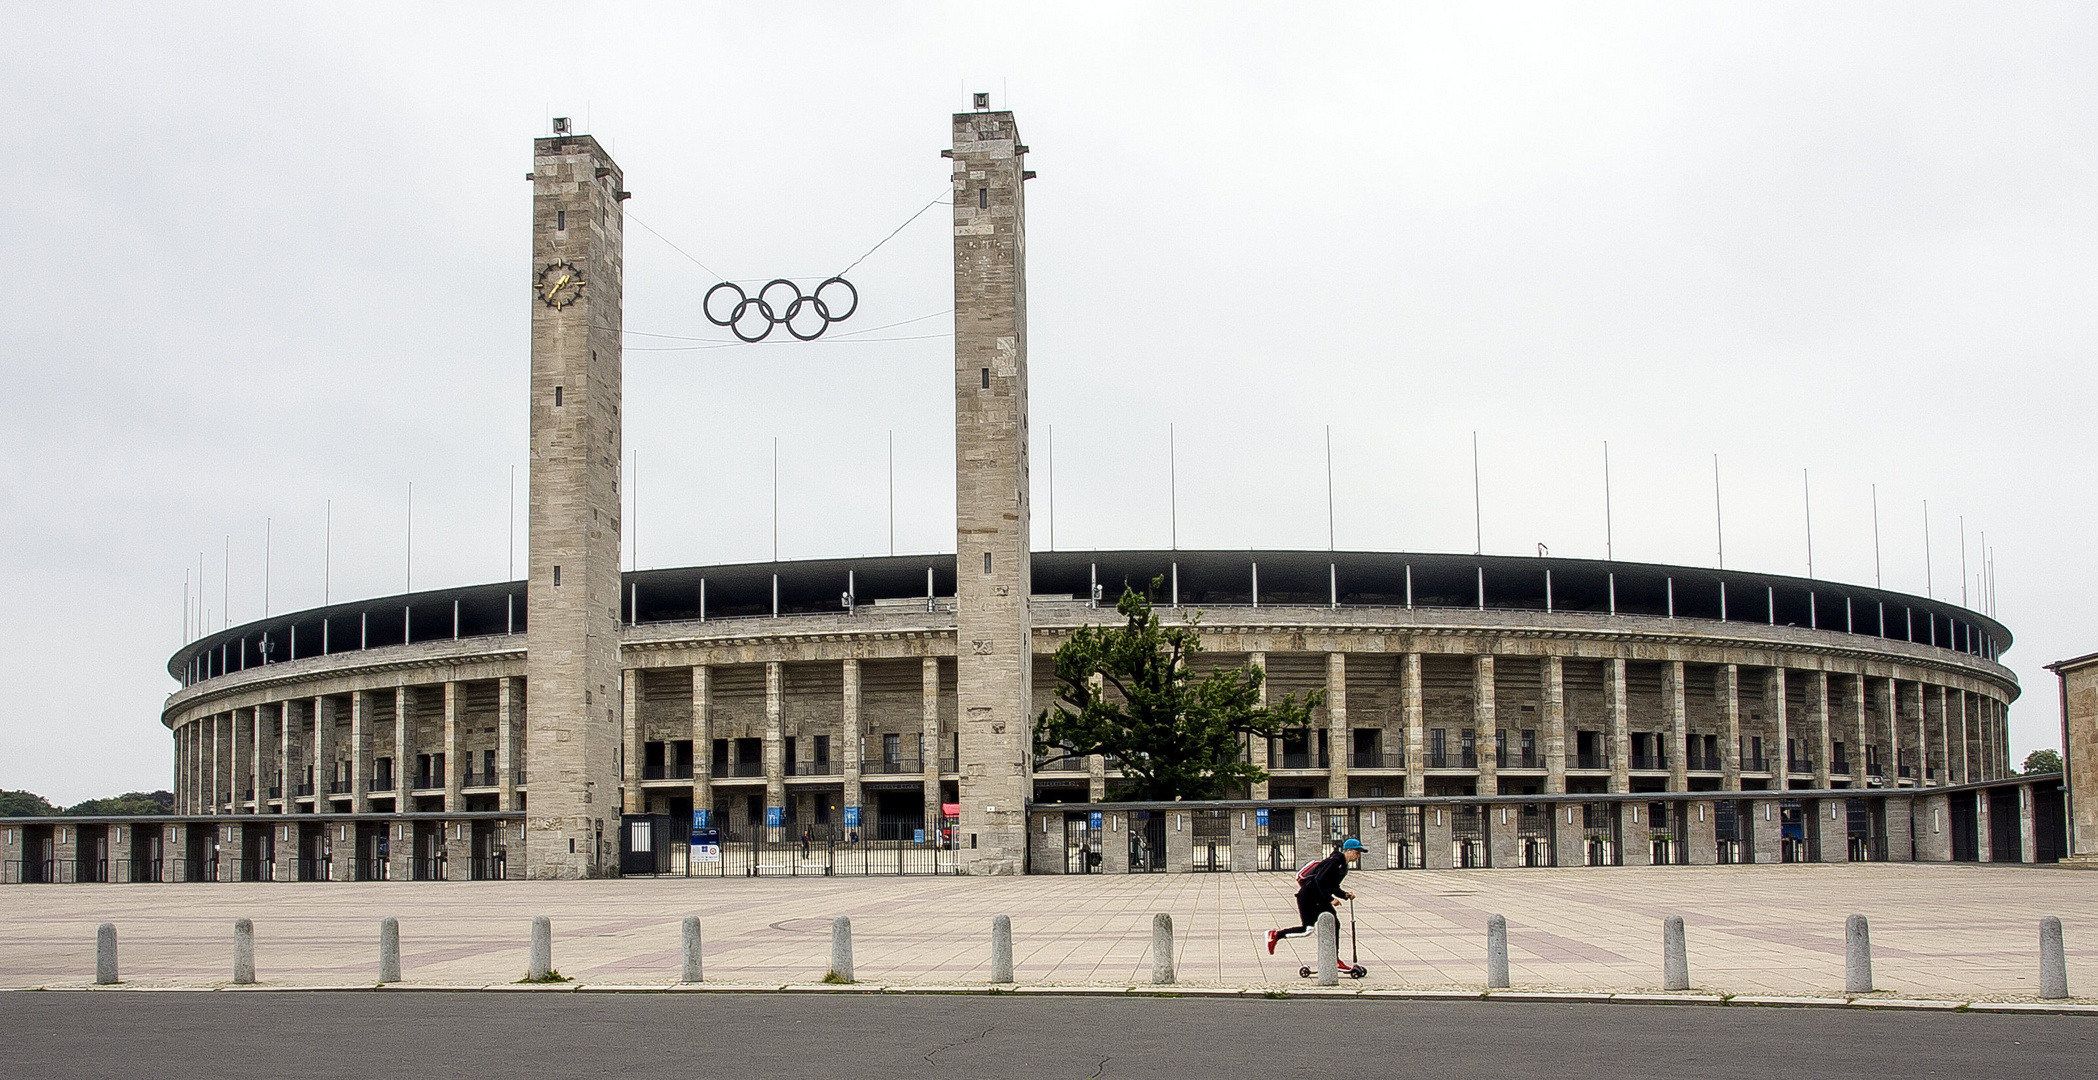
<point>874,714</point>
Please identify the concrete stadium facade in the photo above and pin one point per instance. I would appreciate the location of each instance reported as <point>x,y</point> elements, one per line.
<point>524,728</point>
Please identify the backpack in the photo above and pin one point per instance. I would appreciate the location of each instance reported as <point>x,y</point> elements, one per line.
<point>1309,869</point>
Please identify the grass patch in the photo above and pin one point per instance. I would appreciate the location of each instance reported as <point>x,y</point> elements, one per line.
<point>551,976</point>
<point>832,978</point>
<point>1274,995</point>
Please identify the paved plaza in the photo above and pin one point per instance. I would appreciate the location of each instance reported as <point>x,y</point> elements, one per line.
<point>1965,932</point>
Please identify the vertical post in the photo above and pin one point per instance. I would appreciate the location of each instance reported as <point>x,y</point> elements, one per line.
<point>106,953</point>
<point>506,742</point>
<point>1675,958</point>
<point>1678,727</point>
<point>703,739</point>
<point>1485,724</point>
<point>1337,725</point>
<point>389,950</point>
<point>1260,746</point>
<point>1002,949</point>
<point>1162,949</point>
<point>691,972</point>
<point>243,952</point>
<point>630,757</point>
<point>1620,731</point>
<point>775,741</point>
<point>1416,727</point>
<point>2054,971</point>
<point>404,704</point>
<point>1857,956</point>
<point>1774,703</point>
<point>542,961</point>
<point>360,751</point>
<point>1496,952</point>
<point>840,950</point>
<point>453,801</point>
<point>1824,742</point>
<point>849,735</point>
<point>929,673</point>
<point>1329,949</point>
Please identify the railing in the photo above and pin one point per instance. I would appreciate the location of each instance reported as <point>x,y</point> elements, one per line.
<point>338,787</point>
<point>316,870</point>
<point>1061,764</point>
<point>1757,763</point>
<point>1649,762</point>
<point>1515,759</point>
<point>520,778</point>
<point>814,768</point>
<point>303,791</point>
<point>1443,759</point>
<point>666,772</point>
<point>745,768</point>
<point>1840,765</point>
<point>893,765</point>
<point>492,868</point>
<point>427,782</point>
<point>276,793</point>
<point>470,778</point>
<point>1592,761</point>
<point>1876,769</point>
<point>1800,763</point>
<point>1698,761</point>
<point>1370,759</point>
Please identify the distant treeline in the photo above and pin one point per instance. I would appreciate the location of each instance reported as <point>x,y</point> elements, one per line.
<point>31,804</point>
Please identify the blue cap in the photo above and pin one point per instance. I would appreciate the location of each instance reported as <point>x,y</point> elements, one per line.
<point>1351,844</point>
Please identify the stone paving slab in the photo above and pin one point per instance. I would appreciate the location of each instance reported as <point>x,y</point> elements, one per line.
<point>1959,932</point>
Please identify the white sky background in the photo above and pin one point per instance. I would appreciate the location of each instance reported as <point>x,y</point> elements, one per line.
<point>259,258</point>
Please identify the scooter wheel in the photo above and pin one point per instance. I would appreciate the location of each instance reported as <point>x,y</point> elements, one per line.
<point>1358,972</point>
<point>1303,973</point>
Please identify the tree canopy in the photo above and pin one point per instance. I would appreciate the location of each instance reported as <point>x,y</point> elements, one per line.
<point>130,804</point>
<point>1174,736</point>
<point>2043,761</point>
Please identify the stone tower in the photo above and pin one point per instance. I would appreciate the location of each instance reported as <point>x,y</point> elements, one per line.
<point>572,630</point>
<point>992,648</point>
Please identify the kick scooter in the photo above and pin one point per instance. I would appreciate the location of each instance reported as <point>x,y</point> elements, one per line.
<point>1351,967</point>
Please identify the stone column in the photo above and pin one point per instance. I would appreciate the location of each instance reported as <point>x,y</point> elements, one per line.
<point>1726,687</point>
<point>1569,835</point>
<point>850,720</point>
<point>1636,832</point>
<point>1502,825</point>
<point>259,754</point>
<point>1944,740</point>
<point>1765,830</point>
<point>1984,826</point>
<point>1259,747</point>
<point>630,756</point>
<point>1885,694</point>
<point>1620,734</point>
<point>1436,829</point>
<point>775,740</point>
<point>1180,843</point>
<point>1774,700</point>
<point>1700,833</point>
<point>930,738</point>
<point>1416,732</point>
<point>1337,741</point>
<point>1485,725</point>
<point>287,852</point>
<point>1901,845</point>
<point>403,751</point>
<point>2028,840</point>
<point>179,784</point>
<point>1855,698</point>
<point>506,743</point>
<point>1096,764</point>
<point>222,762</point>
<point>453,802</point>
<point>360,751</point>
<point>323,752</point>
<point>1375,828</point>
<point>1114,843</point>
<point>400,847</point>
<point>1817,708</point>
<point>1551,702</point>
<point>1678,725</point>
<point>287,760</point>
<point>1933,827</point>
<point>240,735</point>
<point>703,740</point>
<point>1966,766</point>
<point>1922,762</point>
<point>1832,819</point>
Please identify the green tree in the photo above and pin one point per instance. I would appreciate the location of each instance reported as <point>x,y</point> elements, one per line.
<point>129,804</point>
<point>2042,761</point>
<point>1173,735</point>
<point>24,804</point>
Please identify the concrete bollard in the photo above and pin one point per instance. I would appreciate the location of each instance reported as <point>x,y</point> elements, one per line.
<point>2054,969</point>
<point>1002,949</point>
<point>542,948</point>
<point>389,950</point>
<point>1161,949</point>
<point>692,971</point>
<point>1496,952</point>
<point>243,952</point>
<point>106,954</point>
<point>1675,956</point>
<point>1857,956</point>
<point>1329,949</point>
<point>840,950</point>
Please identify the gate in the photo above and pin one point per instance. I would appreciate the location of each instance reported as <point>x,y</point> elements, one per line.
<point>1792,832</point>
<point>1468,837</point>
<point>1599,834</point>
<point>1966,843</point>
<point>1275,844</point>
<point>258,853</point>
<point>1533,835</point>
<point>1212,840</point>
<point>145,853</point>
<point>487,858</point>
<point>314,852</point>
<point>1082,843</point>
<point>1403,838</point>
<point>1147,842</point>
<point>1662,839</point>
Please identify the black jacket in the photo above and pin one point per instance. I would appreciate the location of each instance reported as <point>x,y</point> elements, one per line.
<point>1324,883</point>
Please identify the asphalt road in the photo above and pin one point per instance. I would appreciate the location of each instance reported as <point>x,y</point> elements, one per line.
<point>271,1036</point>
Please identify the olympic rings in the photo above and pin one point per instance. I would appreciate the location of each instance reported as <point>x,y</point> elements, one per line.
<point>805,315</point>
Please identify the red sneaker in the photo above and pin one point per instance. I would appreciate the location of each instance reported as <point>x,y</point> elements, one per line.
<point>1272,935</point>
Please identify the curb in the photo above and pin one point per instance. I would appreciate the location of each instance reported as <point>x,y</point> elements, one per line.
<point>1307,993</point>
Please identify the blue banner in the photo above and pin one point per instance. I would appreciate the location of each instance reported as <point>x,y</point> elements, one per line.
<point>1093,820</point>
<point>917,836</point>
<point>1260,818</point>
<point>852,817</point>
<point>702,819</point>
<point>775,816</point>
<point>706,846</point>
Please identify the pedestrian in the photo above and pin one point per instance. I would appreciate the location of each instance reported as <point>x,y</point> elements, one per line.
<point>804,843</point>
<point>1318,889</point>
<point>853,838</point>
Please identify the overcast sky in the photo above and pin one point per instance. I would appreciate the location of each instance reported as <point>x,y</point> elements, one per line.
<point>260,258</point>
